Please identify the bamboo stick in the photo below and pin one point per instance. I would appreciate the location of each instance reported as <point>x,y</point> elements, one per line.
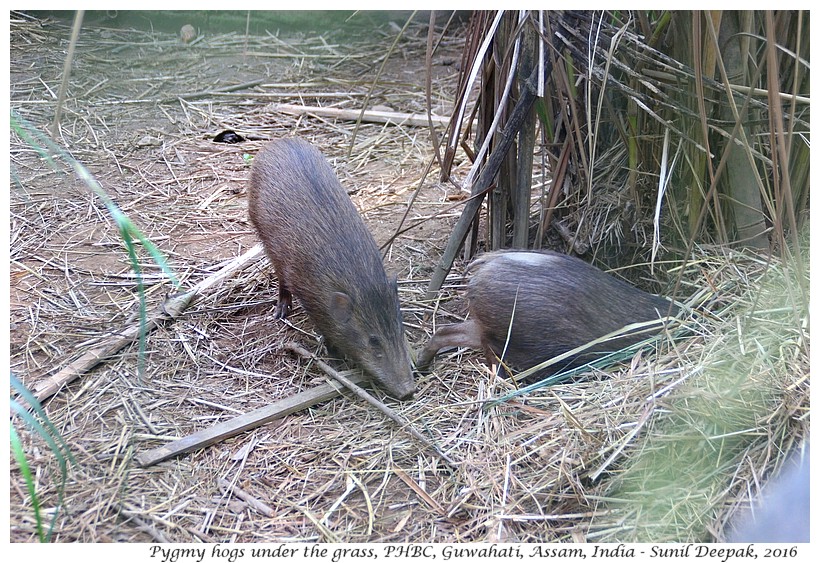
<point>371,116</point>
<point>170,309</point>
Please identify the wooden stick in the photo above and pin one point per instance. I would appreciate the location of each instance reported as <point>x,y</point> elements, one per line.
<point>372,116</point>
<point>170,309</point>
<point>403,423</point>
<point>239,424</point>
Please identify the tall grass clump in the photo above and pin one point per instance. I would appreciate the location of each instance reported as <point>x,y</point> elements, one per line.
<point>730,427</point>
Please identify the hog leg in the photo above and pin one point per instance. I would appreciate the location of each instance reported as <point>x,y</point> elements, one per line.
<point>466,335</point>
<point>285,300</point>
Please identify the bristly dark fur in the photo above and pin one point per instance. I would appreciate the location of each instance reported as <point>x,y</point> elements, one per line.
<point>555,304</point>
<point>320,249</point>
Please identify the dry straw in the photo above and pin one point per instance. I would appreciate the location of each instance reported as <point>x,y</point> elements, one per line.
<point>588,460</point>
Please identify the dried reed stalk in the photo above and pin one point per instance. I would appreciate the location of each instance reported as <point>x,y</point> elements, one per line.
<point>368,116</point>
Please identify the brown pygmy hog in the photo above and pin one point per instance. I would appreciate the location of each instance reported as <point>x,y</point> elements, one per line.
<point>560,303</point>
<point>324,255</point>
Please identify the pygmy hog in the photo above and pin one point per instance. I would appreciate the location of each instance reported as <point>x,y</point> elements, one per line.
<point>559,302</point>
<point>324,255</point>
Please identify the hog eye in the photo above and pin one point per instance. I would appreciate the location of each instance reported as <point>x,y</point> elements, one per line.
<point>376,346</point>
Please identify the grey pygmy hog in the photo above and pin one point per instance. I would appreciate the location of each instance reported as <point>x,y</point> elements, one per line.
<point>323,254</point>
<point>527,307</point>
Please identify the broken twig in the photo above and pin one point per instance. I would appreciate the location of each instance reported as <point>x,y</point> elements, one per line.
<point>363,395</point>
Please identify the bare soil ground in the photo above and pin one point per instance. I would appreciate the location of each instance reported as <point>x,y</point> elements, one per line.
<point>141,114</point>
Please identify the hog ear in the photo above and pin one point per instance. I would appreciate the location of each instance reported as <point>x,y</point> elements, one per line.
<point>341,307</point>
